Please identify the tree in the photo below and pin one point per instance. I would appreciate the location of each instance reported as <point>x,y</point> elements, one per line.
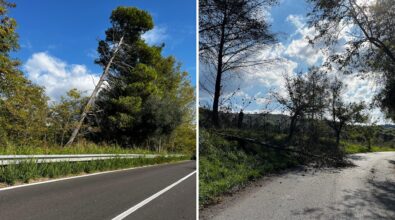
<point>305,95</point>
<point>342,113</point>
<point>316,92</point>
<point>23,105</point>
<point>372,45</point>
<point>369,132</point>
<point>295,101</point>
<point>65,115</point>
<point>146,95</point>
<point>240,119</point>
<point>183,139</point>
<point>129,22</point>
<point>229,33</point>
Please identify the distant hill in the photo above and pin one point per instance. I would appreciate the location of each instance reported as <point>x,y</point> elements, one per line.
<point>388,126</point>
<point>280,123</point>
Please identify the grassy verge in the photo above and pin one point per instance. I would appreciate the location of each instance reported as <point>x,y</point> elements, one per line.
<point>223,166</point>
<point>27,171</point>
<point>76,149</point>
<point>353,148</point>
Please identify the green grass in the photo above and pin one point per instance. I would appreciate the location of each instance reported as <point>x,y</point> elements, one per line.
<point>353,148</point>
<point>223,166</point>
<point>75,149</point>
<point>26,171</point>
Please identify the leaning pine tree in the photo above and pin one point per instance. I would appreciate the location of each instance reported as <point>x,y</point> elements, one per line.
<point>143,98</point>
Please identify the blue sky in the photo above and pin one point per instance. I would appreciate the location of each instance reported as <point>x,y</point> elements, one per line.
<point>288,22</point>
<point>286,31</point>
<point>59,38</point>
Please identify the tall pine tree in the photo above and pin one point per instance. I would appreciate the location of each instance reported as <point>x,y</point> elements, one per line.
<point>146,95</point>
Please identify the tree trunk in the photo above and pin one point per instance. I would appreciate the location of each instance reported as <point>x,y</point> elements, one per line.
<point>218,79</point>
<point>160,145</point>
<point>94,94</point>
<point>338,132</point>
<point>369,145</point>
<point>337,139</point>
<point>240,120</point>
<point>292,127</point>
<point>62,139</point>
<point>217,92</point>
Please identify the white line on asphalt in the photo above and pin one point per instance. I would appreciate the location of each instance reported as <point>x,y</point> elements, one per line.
<point>149,199</point>
<point>85,175</point>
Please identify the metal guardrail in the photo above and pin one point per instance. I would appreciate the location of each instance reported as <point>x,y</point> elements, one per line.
<point>15,159</point>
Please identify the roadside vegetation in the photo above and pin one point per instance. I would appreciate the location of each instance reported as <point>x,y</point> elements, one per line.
<point>146,105</point>
<point>352,148</point>
<point>78,148</point>
<point>31,171</point>
<point>225,166</point>
<point>308,119</point>
<point>230,157</point>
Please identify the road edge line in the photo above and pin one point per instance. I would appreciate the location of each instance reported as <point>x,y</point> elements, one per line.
<point>86,175</point>
<point>149,199</point>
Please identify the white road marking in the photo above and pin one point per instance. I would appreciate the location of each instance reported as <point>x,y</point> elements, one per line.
<point>149,199</point>
<point>85,175</point>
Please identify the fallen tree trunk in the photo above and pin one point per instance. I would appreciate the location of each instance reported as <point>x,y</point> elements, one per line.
<point>275,147</point>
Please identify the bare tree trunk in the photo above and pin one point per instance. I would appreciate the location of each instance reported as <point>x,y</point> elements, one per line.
<point>338,133</point>
<point>369,145</point>
<point>292,127</point>
<point>218,80</point>
<point>160,145</point>
<point>217,93</point>
<point>94,94</point>
<point>240,119</point>
<point>62,139</point>
<point>337,139</point>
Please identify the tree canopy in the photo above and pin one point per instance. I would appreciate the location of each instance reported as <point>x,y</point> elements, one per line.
<point>230,32</point>
<point>147,95</point>
<point>145,100</point>
<point>23,107</point>
<point>370,46</point>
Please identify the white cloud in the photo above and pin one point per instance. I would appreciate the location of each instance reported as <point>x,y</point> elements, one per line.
<point>271,76</point>
<point>255,82</point>
<point>298,53</point>
<point>155,36</point>
<point>300,48</point>
<point>57,76</point>
<point>263,101</point>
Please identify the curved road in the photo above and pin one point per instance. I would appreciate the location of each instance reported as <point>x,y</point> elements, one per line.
<point>365,191</point>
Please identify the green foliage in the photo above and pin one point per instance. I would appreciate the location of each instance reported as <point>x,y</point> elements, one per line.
<point>147,97</point>
<point>183,139</point>
<point>353,148</point>
<point>129,21</point>
<point>26,171</point>
<point>223,166</point>
<point>371,47</point>
<point>64,117</point>
<point>79,148</point>
<point>23,105</point>
<point>147,101</point>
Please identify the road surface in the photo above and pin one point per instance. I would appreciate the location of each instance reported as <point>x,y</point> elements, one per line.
<point>108,195</point>
<point>365,191</point>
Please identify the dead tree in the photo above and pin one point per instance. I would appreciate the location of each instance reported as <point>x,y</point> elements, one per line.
<point>92,98</point>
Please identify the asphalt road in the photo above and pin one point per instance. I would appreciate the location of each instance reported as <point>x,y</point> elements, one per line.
<point>365,191</point>
<point>106,196</point>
